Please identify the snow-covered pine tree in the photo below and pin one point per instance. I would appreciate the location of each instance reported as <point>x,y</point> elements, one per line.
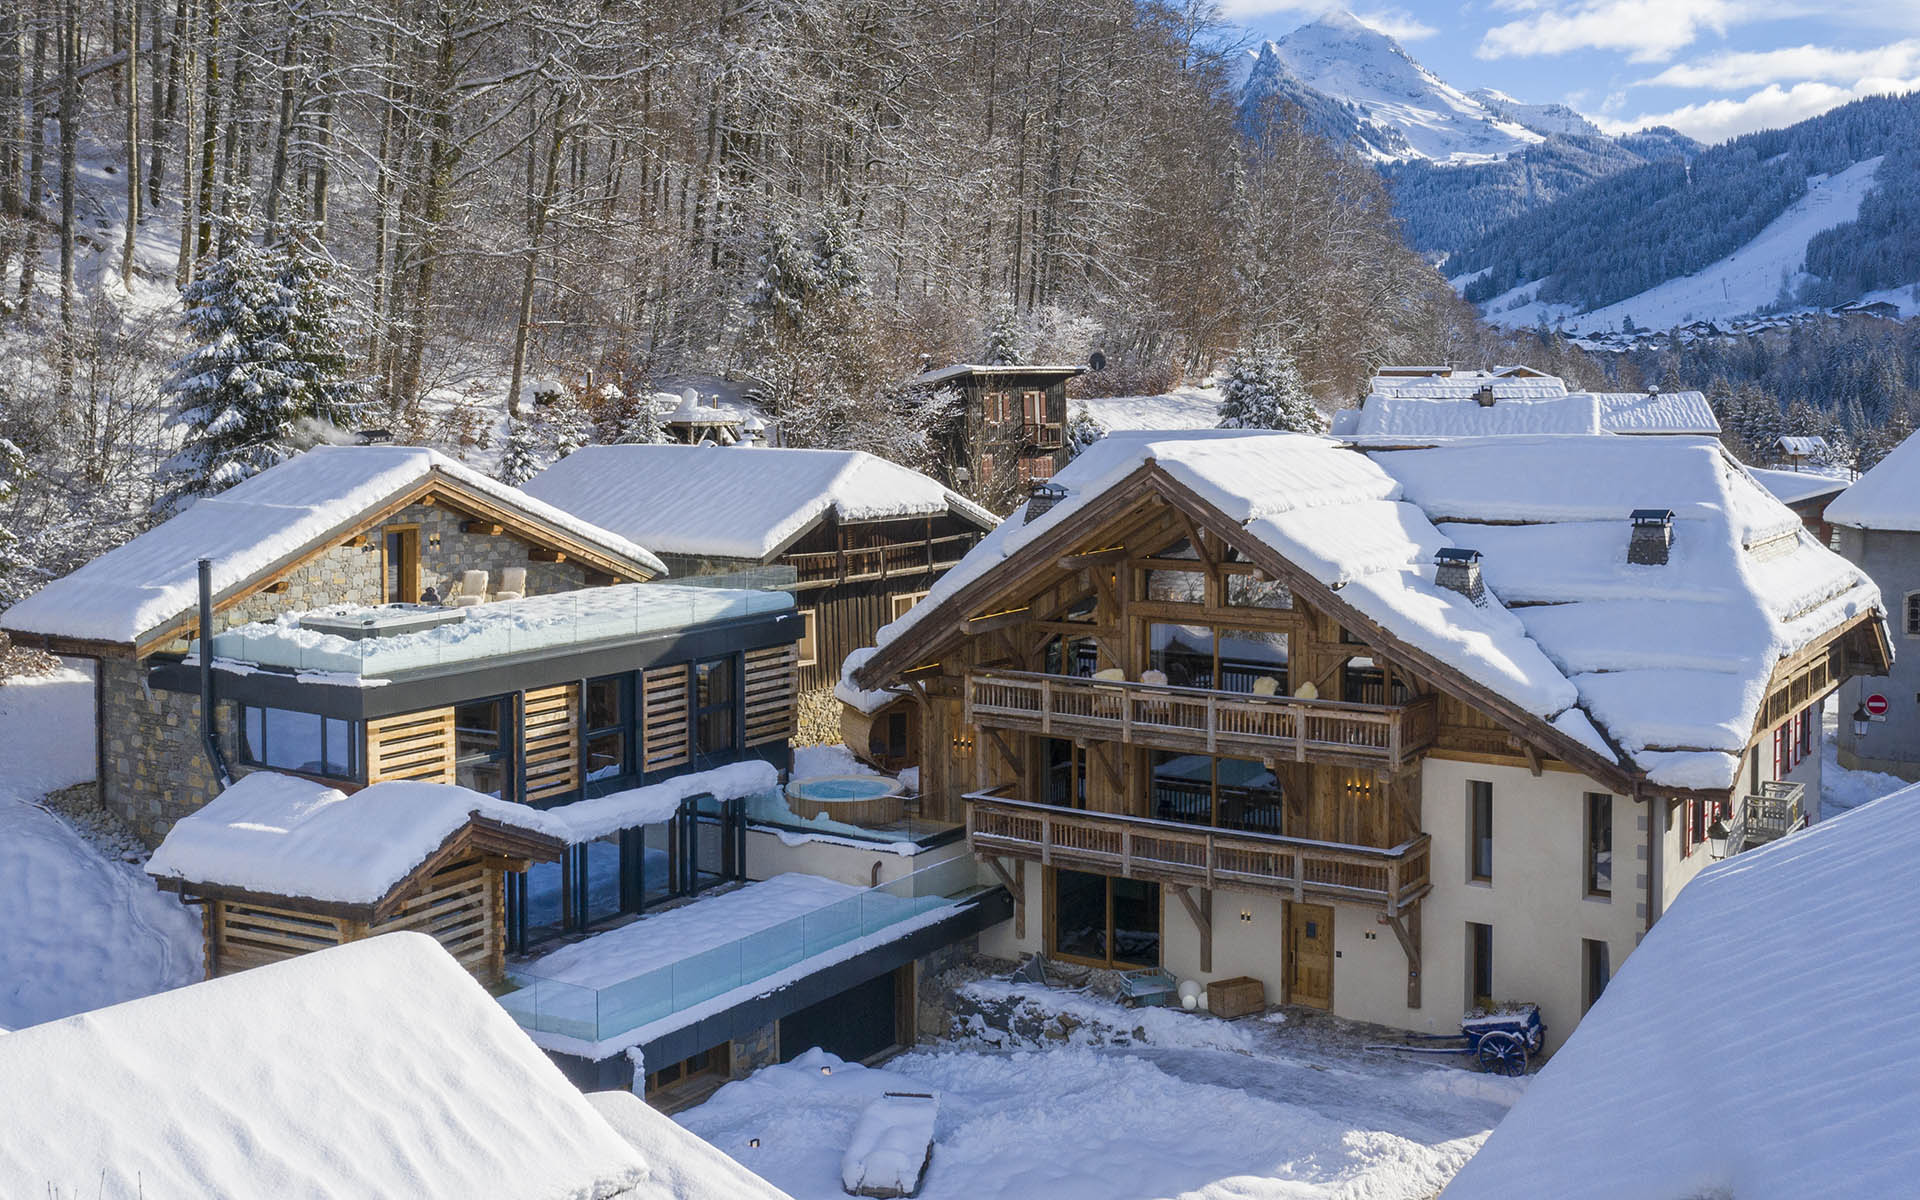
<point>838,268</point>
<point>1083,430</point>
<point>1263,390</point>
<point>1003,339</point>
<point>520,457</point>
<point>267,376</point>
<point>642,419</point>
<point>566,423</point>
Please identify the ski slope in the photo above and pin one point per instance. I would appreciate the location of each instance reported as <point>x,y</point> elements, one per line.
<point>1743,282</point>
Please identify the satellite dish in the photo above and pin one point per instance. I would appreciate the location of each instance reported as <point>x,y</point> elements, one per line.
<point>1098,362</point>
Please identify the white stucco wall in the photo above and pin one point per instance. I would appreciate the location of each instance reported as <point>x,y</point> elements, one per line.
<point>768,855</point>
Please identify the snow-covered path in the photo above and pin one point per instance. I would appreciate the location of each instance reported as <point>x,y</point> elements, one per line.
<point>1085,1123</point>
<point>79,931</point>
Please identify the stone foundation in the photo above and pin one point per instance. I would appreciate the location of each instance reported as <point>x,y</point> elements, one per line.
<point>816,718</point>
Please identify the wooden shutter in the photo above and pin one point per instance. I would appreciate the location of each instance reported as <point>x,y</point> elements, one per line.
<point>552,742</point>
<point>416,745</point>
<point>770,694</point>
<point>663,718</point>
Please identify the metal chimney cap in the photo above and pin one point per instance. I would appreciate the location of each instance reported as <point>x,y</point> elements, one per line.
<point>1456,554</point>
<point>1652,516</point>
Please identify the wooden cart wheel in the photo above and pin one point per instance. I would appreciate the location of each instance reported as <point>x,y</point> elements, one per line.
<point>1503,1053</point>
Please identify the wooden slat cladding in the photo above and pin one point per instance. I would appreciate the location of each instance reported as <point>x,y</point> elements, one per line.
<point>460,911</point>
<point>552,742</point>
<point>417,745</point>
<point>663,718</point>
<point>770,680</point>
<point>250,935</point>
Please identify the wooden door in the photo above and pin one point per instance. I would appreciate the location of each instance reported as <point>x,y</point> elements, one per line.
<point>1310,955</point>
<point>400,563</point>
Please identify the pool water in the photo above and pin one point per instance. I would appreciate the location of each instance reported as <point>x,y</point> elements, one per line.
<point>843,787</point>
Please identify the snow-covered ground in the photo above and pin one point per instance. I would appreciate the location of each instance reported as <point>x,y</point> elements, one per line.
<point>80,931</point>
<point>1292,1120</point>
<point>1182,408</point>
<point>1840,788</point>
<point>1743,282</point>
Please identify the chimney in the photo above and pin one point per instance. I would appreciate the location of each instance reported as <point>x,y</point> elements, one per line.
<point>1484,396</point>
<point>1041,498</point>
<point>1460,572</point>
<point>1652,537</point>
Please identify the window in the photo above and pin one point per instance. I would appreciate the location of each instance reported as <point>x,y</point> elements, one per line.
<point>1066,774</point>
<point>1599,844</point>
<point>295,741</point>
<point>1228,793</point>
<point>402,565</point>
<point>1480,831</point>
<point>1111,922</point>
<point>1479,965</point>
<point>608,705</point>
<point>808,646</point>
<point>1593,970</point>
<point>1231,660</point>
<point>904,603</point>
<point>715,1062</point>
<point>481,754</point>
<point>1251,591</point>
<point>714,716</point>
<point>1912,623</point>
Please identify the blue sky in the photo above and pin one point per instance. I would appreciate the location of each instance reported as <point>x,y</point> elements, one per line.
<point>1714,69</point>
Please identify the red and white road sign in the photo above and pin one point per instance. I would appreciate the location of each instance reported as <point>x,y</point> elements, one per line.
<point>1877,705</point>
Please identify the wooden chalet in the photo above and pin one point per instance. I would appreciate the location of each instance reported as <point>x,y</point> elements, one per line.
<point>1206,704</point>
<point>1008,429</point>
<point>858,540</point>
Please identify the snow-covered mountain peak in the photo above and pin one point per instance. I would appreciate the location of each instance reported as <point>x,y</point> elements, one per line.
<point>1343,58</point>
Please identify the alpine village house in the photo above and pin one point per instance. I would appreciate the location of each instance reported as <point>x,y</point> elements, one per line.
<point>1006,428</point>
<point>1397,733</point>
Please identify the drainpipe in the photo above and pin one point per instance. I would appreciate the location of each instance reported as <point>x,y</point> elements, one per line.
<point>209,723</point>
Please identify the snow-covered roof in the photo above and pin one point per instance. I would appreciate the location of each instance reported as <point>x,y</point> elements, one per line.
<point>1671,662</point>
<point>1887,496</point>
<point>550,622</point>
<point>691,412</point>
<point>695,500</point>
<point>1758,1043</point>
<point>1791,487</point>
<point>1462,385</point>
<point>256,525</point>
<point>961,370</point>
<point>1802,447</point>
<point>1433,412</point>
<point>378,1068</point>
<point>847,692</point>
<point>1656,412</point>
<point>281,835</point>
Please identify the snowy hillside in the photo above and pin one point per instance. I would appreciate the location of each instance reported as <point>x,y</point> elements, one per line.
<point>1543,119</point>
<point>1342,58</point>
<point>1751,278</point>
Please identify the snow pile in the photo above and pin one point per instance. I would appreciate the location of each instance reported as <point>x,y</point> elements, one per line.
<point>1887,497</point>
<point>81,931</point>
<point>1182,408</point>
<point>679,1166</point>
<point>559,619</point>
<point>1792,1072</point>
<point>1090,1016</point>
<point>1079,1124</point>
<point>249,529</point>
<point>378,1068</point>
<point>891,1145</point>
<point>281,835</point>
<point>689,500</point>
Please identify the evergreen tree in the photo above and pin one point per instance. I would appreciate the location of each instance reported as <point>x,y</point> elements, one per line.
<point>642,419</point>
<point>1003,339</point>
<point>1083,430</point>
<point>267,376</point>
<point>1263,390</point>
<point>520,457</point>
<point>565,423</point>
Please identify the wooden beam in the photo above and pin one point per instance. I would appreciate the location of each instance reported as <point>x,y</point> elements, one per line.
<point>986,622</point>
<point>1406,927</point>
<point>1532,754</point>
<point>277,587</point>
<point>1093,558</point>
<point>542,554</point>
<point>1102,752</point>
<point>1201,914</point>
<point>488,528</point>
<point>1016,887</point>
<point>1012,757</point>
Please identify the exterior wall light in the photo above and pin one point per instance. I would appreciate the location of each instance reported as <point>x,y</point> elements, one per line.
<point>1718,835</point>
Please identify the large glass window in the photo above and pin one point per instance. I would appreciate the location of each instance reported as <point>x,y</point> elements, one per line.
<point>609,705</point>
<point>482,756</point>
<point>714,716</point>
<point>1251,661</point>
<point>1182,653</point>
<point>1251,591</point>
<point>1364,681</point>
<point>1229,793</point>
<point>1599,844</point>
<point>296,741</point>
<point>1113,922</point>
<point>1066,774</point>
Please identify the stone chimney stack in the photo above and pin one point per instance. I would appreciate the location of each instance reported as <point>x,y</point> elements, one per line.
<point>1460,572</point>
<point>1483,396</point>
<point>1652,537</point>
<point>1041,498</point>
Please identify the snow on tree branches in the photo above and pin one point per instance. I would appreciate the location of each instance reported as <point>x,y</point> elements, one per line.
<point>1263,390</point>
<point>268,375</point>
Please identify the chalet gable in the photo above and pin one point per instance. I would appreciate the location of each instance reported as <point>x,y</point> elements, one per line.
<point>144,594</point>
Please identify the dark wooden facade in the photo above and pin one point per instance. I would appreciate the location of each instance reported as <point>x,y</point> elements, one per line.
<point>1009,429</point>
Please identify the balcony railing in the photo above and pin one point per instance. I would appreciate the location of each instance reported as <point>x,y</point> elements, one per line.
<point>1198,719</point>
<point>878,562</point>
<point>1198,856</point>
<point>1043,435</point>
<point>1778,809</point>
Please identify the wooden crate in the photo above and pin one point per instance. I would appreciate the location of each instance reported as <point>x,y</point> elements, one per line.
<point>1238,997</point>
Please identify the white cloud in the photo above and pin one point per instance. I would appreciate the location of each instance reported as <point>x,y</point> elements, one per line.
<point>1793,63</point>
<point>1398,24</point>
<point>1771,107</point>
<point>1645,30</point>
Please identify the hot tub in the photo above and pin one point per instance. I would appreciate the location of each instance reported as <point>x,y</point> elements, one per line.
<point>852,799</point>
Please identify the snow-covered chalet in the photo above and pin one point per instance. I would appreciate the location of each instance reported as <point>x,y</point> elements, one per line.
<point>1876,524</point>
<point>1394,731</point>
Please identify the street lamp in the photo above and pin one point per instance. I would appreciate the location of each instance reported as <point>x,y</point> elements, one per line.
<point>1860,719</point>
<point>1718,835</point>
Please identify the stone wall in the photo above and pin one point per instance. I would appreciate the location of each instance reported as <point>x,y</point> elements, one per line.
<point>155,770</point>
<point>761,1048</point>
<point>816,718</point>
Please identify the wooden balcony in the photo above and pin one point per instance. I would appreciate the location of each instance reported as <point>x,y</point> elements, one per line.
<point>1198,720</point>
<point>1167,852</point>
<point>1778,810</point>
<point>1043,435</point>
<point>879,562</point>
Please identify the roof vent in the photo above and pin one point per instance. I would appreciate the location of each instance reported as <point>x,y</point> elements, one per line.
<point>1483,396</point>
<point>1652,537</point>
<point>1460,572</point>
<point>1043,496</point>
